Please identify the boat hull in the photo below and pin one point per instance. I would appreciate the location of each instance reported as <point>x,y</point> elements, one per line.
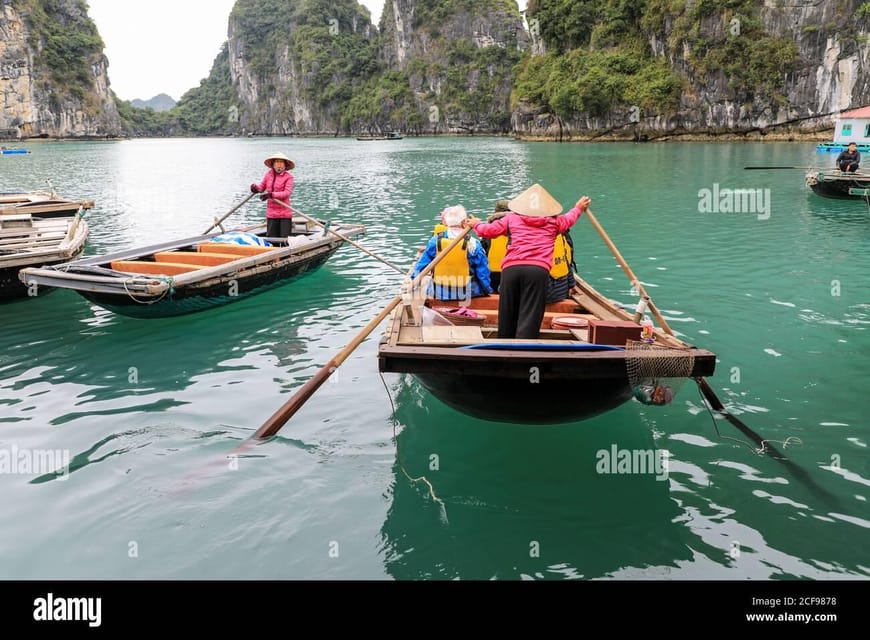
<point>838,186</point>
<point>193,299</point>
<point>517,401</point>
<point>524,386</point>
<point>11,288</point>
<point>179,277</point>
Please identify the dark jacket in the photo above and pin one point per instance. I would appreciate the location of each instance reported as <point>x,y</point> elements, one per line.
<point>849,158</point>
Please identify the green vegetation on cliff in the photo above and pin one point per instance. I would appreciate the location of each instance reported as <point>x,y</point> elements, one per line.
<point>327,38</point>
<point>600,58</point>
<point>66,44</point>
<point>727,37</point>
<point>465,64</point>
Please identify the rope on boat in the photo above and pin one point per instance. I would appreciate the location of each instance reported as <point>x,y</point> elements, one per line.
<point>170,289</point>
<point>758,451</point>
<point>435,498</point>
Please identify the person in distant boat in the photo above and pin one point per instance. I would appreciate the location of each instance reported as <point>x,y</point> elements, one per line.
<point>849,159</point>
<point>461,274</point>
<point>277,184</point>
<point>534,224</point>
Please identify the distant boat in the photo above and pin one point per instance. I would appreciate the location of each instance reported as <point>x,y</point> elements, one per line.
<point>40,203</point>
<point>839,184</point>
<point>7,152</point>
<point>192,274</point>
<point>393,135</point>
<point>33,242</point>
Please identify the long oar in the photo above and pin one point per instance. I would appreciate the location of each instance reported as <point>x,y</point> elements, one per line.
<point>705,388</point>
<point>765,168</point>
<point>289,408</point>
<point>217,223</point>
<point>338,235</point>
<point>635,282</point>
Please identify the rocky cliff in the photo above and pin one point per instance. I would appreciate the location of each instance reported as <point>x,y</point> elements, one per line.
<point>53,78</point>
<point>321,67</point>
<point>759,67</point>
<point>458,57</point>
<point>295,64</point>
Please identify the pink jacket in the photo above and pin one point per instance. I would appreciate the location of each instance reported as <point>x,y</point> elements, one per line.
<point>531,239</point>
<point>280,186</point>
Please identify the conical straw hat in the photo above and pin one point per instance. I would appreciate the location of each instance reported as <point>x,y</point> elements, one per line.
<point>536,202</point>
<point>279,156</point>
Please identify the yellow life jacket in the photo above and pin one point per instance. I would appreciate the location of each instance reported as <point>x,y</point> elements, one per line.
<point>497,251</point>
<point>561,257</point>
<point>453,270</point>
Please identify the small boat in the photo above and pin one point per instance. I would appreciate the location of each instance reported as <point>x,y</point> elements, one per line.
<point>44,204</point>
<point>26,241</point>
<point>8,152</point>
<point>839,184</point>
<point>589,359</point>
<point>392,135</point>
<point>193,274</point>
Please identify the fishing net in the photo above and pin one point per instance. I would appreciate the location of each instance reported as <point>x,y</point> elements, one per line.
<point>655,372</point>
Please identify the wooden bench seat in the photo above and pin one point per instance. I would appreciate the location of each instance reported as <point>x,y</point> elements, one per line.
<point>201,258</point>
<point>154,268</point>
<point>230,247</point>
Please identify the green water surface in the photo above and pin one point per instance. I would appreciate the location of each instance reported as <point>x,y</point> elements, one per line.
<point>149,411</point>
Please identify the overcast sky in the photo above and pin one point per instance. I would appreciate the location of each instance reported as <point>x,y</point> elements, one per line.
<point>167,46</point>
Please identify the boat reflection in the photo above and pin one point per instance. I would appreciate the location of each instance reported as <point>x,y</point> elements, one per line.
<point>523,502</point>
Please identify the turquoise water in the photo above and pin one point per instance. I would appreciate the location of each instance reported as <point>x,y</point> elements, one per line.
<point>149,411</point>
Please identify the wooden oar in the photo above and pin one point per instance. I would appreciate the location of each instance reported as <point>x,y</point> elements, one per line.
<point>632,278</point>
<point>764,168</point>
<point>295,209</point>
<point>705,388</point>
<point>217,223</point>
<point>289,408</point>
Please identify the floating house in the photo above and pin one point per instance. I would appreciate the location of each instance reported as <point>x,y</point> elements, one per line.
<point>852,126</point>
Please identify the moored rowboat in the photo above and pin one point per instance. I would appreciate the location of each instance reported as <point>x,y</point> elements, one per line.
<point>568,374</point>
<point>839,184</point>
<point>192,274</point>
<point>31,242</point>
<point>40,203</point>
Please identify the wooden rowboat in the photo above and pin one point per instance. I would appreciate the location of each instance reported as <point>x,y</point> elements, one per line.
<point>40,203</point>
<point>26,241</point>
<point>592,362</point>
<point>839,184</point>
<point>192,274</point>
<point>392,135</point>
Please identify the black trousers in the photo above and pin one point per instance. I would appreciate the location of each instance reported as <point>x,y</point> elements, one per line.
<point>849,166</point>
<point>278,227</point>
<point>522,292</point>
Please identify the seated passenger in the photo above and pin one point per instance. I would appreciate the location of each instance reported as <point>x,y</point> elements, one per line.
<point>464,272</point>
<point>496,248</point>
